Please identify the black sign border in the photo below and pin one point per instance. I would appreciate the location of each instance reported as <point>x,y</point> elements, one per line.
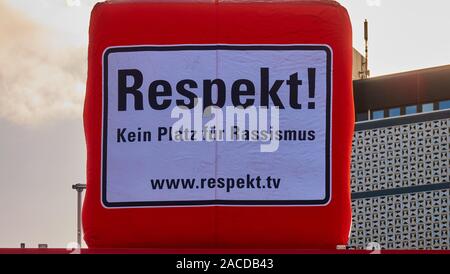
<point>323,202</point>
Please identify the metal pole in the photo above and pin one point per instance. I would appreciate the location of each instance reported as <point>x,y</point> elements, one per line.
<point>366,39</point>
<point>79,219</point>
<point>79,188</point>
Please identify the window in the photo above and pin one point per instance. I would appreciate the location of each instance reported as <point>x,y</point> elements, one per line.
<point>444,104</point>
<point>410,110</point>
<point>364,116</point>
<point>403,110</point>
<point>427,107</point>
<point>378,114</point>
<point>393,112</point>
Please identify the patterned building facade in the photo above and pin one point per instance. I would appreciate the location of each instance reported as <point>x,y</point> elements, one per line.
<point>400,169</point>
<point>401,183</point>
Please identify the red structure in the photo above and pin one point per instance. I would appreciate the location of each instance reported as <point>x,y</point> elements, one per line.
<point>214,251</point>
<point>132,23</point>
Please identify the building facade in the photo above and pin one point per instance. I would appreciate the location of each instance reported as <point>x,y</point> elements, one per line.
<point>400,170</point>
<point>358,65</point>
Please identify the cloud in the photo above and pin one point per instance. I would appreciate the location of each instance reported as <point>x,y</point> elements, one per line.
<point>41,80</point>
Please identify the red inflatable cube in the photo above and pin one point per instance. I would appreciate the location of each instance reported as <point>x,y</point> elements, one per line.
<point>285,187</point>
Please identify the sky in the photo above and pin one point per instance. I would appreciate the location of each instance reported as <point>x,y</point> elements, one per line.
<point>42,83</point>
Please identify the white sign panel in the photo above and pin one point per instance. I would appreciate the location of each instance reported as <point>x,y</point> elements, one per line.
<point>279,154</point>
